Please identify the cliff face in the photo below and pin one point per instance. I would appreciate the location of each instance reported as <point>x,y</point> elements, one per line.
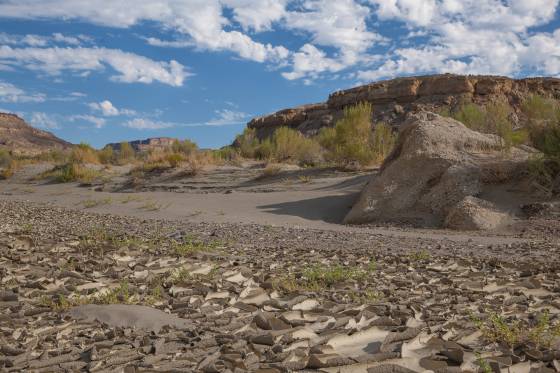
<point>393,99</point>
<point>20,138</point>
<point>153,143</point>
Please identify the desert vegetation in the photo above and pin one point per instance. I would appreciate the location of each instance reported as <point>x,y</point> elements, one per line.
<point>539,127</point>
<point>350,142</point>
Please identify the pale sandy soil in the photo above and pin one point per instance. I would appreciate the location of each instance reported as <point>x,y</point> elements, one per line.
<point>302,198</point>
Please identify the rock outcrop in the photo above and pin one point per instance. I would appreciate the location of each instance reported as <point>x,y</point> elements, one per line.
<point>153,143</point>
<point>393,99</point>
<point>429,180</point>
<point>18,137</point>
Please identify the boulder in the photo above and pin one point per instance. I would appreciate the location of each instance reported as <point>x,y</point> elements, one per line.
<point>473,214</point>
<point>437,163</point>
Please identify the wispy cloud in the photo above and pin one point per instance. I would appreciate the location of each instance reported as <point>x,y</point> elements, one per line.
<point>9,93</point>
<point>107,108</point>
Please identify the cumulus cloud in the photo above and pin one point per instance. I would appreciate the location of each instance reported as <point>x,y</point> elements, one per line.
<point>130,67</point>
<point>147,124</point>
<point>471,36</point>
<point>475,36</point>
<point>107,108</point>
<point>98,122</point>
<point>226,117</point>
<point>43,120</point>
<point>12,94</point>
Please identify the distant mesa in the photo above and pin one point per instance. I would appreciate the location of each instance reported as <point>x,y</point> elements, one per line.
<point>153,143</point>
<point>393,99</point>
<point>18,137</point>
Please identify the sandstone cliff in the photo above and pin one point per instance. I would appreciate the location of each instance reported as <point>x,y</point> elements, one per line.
<point>153,143</point>
<point>19,137</point>
<point>392,99</point>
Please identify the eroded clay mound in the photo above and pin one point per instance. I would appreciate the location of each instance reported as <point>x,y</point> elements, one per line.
<point>435,165</point>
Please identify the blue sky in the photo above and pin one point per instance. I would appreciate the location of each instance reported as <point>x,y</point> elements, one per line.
<point>111,70</point>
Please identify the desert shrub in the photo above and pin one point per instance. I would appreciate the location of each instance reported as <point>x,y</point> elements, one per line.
<point>227,154</point>
<point>7,164</point>
<point>543,123</point>
<point>492,119</point>
<point>352,139</point>
<point>126,153</point>
<point>472,116</point>
<point>106,155</point>
<point>498,122</point>
<point>520,136</point>
<point>289,145</point>
<point>71,172</point>
<point>248,143</point>
<point>5,158</point>
<point>186,147</point>
<point>264,150</point>
<point>174,159</point>
<point>269,171</point>
<point>54,156</point>
<point>383,141</point>
<point>84,153</point>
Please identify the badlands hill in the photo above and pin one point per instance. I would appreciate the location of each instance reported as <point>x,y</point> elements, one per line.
<point>393,99</point>
<point>19,137</point>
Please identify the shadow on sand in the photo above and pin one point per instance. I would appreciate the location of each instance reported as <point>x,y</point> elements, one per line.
<point>330,209</point>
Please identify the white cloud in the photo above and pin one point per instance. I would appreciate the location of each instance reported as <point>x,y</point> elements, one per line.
<point>257,15</point>
<point>474,36</point>
<point>107,108</point>
<point>147,124</point>
<point>226,117</point>
<point>130,67</point>
<point>12,94</point>
<point>43,120</point>
<point>199,21</point>
<point>33,40</point>
<point>310,61</point>
<point>98,122</point>
<point>471,37</point>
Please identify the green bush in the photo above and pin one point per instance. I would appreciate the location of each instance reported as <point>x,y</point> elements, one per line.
<point>71,172</point>
<point>498,122</point>
<point>5,158</point>
<point>186,147</point>
<point>126,153</point>
<point>248,143</point>
<point>543,123</point>
<point>107,155</point>
<point>472,116</point>
<point>383,141</point>
<point>227,153</point>
<point>352,139</point>
<point>492,119</point>
<point>289,145</point>
<point>84,153</point>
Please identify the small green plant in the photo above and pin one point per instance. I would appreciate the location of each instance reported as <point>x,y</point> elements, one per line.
<point>190,246</point>
<point>186,147</point>
<point>319,277</point>
<point>91,203</point>
<point>483,364</point>
<point>420,255</point>
<point>511,332</point>
<point>304,179</point>
<point>154,206</point>
<point>120,294</point>
<point>365,297</point>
